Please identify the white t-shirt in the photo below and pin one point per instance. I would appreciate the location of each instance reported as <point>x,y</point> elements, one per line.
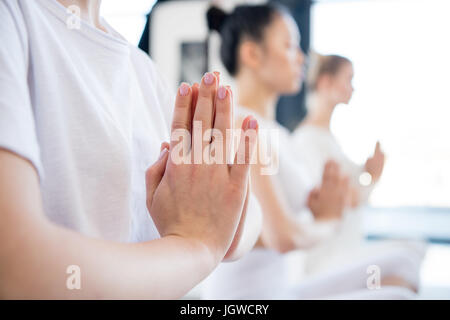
<point>314,146</point>
<point>88,110</point>
<point>264,273</point>
<point>295,181</point>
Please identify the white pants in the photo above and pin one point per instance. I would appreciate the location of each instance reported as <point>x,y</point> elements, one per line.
<point>262,274</point>
<point>351,281</point>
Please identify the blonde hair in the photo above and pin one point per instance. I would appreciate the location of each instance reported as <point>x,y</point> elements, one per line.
<point>321,65</point>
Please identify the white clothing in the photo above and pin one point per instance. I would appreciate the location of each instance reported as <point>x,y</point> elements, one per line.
<point>264,274</point>
<point>88,110</point>
<point>260,274</point>
<point>295,183</point>
<point>275,140</point>
<point>313,147</point>
<point>350,281</point>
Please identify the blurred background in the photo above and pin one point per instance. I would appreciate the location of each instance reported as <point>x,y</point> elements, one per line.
<point>401,55</point>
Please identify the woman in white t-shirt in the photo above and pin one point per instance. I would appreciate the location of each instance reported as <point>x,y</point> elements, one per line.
<point>260,48</point>
<point>330,83</point>
<point>82,117</point>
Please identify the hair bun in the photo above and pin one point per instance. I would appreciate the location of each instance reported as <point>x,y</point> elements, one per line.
<point>216,17</point>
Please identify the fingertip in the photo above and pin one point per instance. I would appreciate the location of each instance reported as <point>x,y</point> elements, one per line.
<point>209,79</point>
<point>164,152</point>
<point>184,89</point>
<point>253,124</point>
<point>250,123</point>
<point>165,145</point>
<point>222,93</point>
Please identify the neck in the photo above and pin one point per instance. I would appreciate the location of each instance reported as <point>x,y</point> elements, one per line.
<point>256,96</point>
<point>320,111</point>
<point>89,10</point>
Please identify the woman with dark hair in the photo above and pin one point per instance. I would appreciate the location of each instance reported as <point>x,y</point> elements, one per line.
<point>260,49</point>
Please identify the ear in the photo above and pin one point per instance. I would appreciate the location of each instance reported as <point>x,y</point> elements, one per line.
<point>251,54</point>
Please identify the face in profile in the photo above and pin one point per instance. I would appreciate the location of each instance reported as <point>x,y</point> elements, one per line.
<point>281,66</point>
<point>341,87</point>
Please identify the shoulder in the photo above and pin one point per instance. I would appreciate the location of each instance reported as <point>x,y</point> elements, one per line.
<point>151,78</point>
<point>143,62</point>
<point>11,17</point>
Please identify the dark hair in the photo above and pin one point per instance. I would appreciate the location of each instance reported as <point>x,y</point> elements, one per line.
<point>324,65</point>
<point>245,21</point>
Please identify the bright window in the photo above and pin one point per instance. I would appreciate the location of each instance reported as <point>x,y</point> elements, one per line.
<point>401,55</point>
<point>127,17</point>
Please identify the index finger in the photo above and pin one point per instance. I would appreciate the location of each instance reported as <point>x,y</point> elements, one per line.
<point>182,116</point>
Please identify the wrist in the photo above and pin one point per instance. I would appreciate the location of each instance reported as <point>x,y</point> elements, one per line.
<point>205,255</point>
<point>366,179</point>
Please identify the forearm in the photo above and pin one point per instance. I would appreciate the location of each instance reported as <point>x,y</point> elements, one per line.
<point>279,230</point>
<point>35,253</point>
<point>36,268</point>
<point>292,234</point>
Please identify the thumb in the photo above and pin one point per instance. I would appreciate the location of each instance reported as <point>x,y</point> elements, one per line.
<point>313,194</point>
<point>154,174</point>
<point>378,147</point>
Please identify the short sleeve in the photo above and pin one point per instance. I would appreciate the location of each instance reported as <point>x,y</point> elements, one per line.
<point>17,124</point>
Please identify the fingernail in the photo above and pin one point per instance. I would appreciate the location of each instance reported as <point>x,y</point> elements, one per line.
<point>222,93</point>
<point>208,78</point>
<point>163,153</point>
<point>184,89</point>
<point>253,124</point>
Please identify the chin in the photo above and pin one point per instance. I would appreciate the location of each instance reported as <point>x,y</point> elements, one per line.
<point>294,88</point>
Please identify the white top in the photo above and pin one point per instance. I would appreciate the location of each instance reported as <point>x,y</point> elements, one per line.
<point>314,146</point>
<point>88,110</point>
<point>263,273</point>
<point>296,182</point>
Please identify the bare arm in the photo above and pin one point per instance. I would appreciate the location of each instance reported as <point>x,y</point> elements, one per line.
<point>282,230</point>
<point>196,216</point>
<point>34,253</point>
